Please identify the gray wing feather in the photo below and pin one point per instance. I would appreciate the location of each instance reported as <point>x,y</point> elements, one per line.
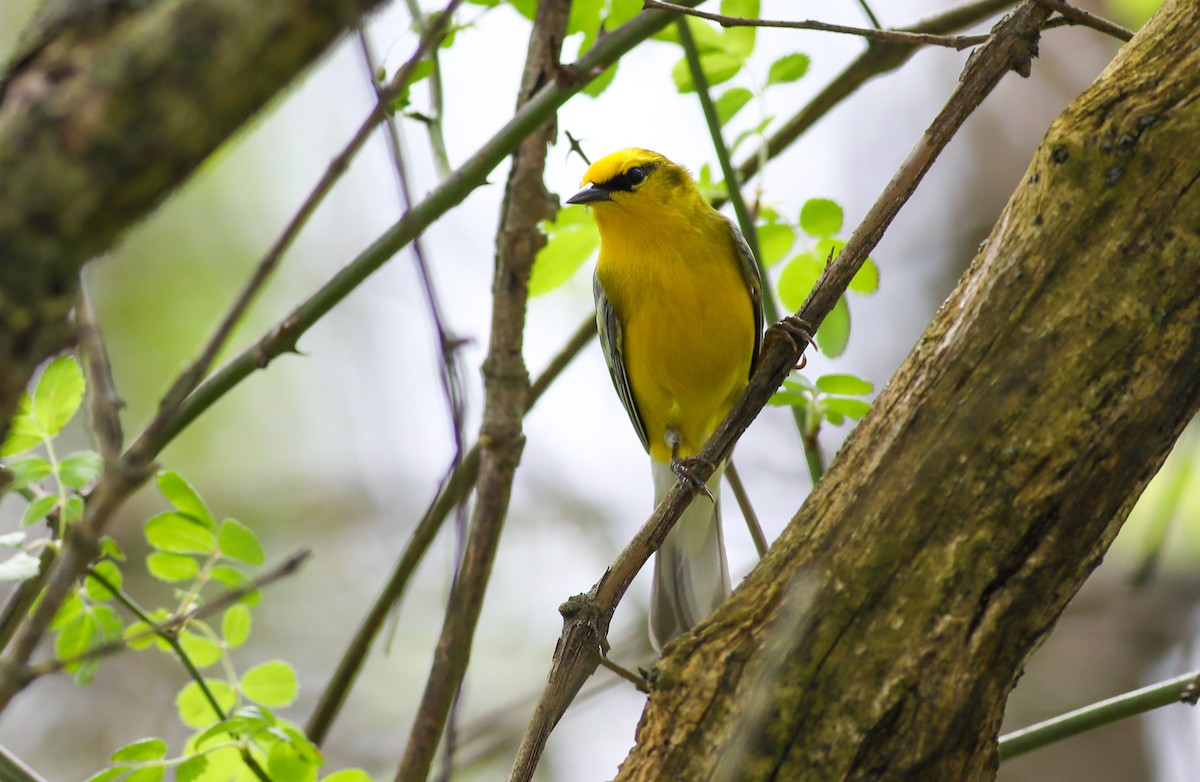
<point>749,269</point>
<point>610,342</point>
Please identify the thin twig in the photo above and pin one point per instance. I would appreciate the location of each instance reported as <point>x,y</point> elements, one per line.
<point>190,378</point>
<point>172,639</point>
<point>173,623</point>
<point>874,20</point>
<point>743,500</point>
<point>433,119</point>
<point>958,42</point>
<point>620,670</point>
<point>1098,714</point>
<point>454,489</point>
<point>879,58</point>
<point>586,617</point>
<point>1078,16</point>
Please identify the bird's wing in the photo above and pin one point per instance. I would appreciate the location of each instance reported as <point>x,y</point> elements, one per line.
<point>610,342</point>
<point>749,269</point>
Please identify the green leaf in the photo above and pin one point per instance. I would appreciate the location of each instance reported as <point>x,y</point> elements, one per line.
<point>731,102</point>
<point>195,710</point>
<point>235,625</point>
<point>821,217</point>
<point>108,571</point>
<point>229,576</point>
<point>402,100</point>
<point>23,431</point>
<point>739,41</point>
<point>27,471</point>
<point>58,394</point>
<point>73,511</point>
<point>851,408</point>
<point>622,11</point>
<point>202,651</point>
<point>111,549</point>
<point>74,638</point>
<point>80,468</point>
<point>108,624</point>
<point>584,16</point>
<point>789,399</point>
<point>272,683</point>
<point>526,8</point>
<point>866,279</point>
<point>108,774</point>
<point>286,764</point>
<point>134,637</point>
<point>38,510</point>
<point>844,385</point>
<point>140,751</point>
<point>788,68</point>
<point>834,333</point>
<point>797,280</point>
<point>191,769</point>
<point>71,607</point>
<point>757,130</point>
<point>775,241</point>
<point>185,499</point>
<point>172,567</point>
<point>601,83</point>
<point>348,775</point>
<point>719,67</point>
<point>180,533</point>
<point>224,765</point>
<point>146,774</point>
<point>19,567</point>
<point>237,541</point>
<point>13,539</point>
<point>572,240</point>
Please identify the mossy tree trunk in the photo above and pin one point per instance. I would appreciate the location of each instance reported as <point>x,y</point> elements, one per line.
<point>107,106</point>
<point>881,635</point>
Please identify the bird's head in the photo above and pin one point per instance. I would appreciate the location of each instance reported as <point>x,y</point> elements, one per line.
<point>635,182</point>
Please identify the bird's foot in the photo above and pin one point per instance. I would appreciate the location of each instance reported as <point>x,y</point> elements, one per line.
<point>685,469</point>
<point>798,330</point>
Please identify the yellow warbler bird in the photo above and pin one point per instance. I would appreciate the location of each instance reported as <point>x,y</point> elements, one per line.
<point>679,308</point>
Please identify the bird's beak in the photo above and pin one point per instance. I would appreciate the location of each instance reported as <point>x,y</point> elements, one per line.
<point>589,194</point>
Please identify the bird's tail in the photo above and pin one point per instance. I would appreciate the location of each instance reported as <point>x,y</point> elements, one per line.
<point>691,574</point>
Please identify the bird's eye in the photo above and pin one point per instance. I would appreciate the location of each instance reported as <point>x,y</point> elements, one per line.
<point>636,175</point>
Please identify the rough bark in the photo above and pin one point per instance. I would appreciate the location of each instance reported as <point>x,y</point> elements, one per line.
<point>882,633</point>
<point>109,105</point>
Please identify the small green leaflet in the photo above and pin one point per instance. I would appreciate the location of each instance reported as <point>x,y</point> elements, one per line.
<point>237,541</point>
<point>821,217</point>
<point>186,499</point>
<point>788,68</point>
<point>572,240</point>
<point>731,102</point>
<point>272,683</point>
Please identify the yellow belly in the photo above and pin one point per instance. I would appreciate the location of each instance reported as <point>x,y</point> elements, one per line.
<point>688,337</point>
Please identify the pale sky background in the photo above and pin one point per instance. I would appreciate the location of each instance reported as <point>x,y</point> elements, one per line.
<point>341,450</point>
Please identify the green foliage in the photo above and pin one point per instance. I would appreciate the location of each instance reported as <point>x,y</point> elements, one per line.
<point>832,399</point>
<point>820,219</point>
<point>572,239</point>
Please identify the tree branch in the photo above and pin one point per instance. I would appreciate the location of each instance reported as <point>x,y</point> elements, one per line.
<point>506,384</point>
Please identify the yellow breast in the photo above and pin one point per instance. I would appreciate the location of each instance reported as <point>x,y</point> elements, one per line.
<point>687,324</point>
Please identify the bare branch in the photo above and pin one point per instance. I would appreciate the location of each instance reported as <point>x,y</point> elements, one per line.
<point>1079,16</point>
<point>958,42</point>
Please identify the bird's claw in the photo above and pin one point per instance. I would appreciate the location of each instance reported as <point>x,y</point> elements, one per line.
<point>799,331</point>
<point>685,469</point>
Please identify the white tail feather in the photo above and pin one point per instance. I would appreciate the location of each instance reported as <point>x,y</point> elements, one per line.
<point>691,574</point>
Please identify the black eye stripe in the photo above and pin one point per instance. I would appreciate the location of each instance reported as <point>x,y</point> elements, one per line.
<point>628,179</point>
